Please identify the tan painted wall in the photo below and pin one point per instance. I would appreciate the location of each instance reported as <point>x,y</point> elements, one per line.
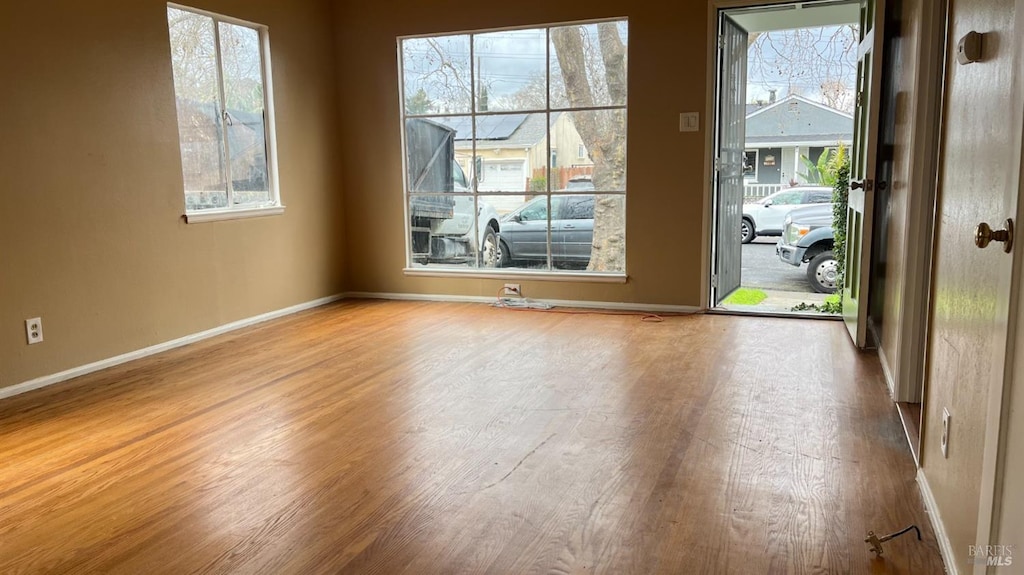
<point>667,53</point>
<point>91,235</point>
<point>967,339</point>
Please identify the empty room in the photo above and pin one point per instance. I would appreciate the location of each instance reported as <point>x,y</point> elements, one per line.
<point>327,286</point>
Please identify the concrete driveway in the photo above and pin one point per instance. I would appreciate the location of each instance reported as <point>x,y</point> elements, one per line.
<point>763,269</point>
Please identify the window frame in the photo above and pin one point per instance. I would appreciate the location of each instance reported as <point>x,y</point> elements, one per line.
<point>550,273</point>
<point>232,211</point>
<point>757,158</point>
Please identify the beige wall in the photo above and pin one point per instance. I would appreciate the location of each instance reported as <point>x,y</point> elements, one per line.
<point>91,235</point>
<point>667,53</point>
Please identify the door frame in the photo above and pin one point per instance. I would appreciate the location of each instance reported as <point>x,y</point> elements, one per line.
<point>904,373</point>
<point>993,472</point>
<point>906,377</point>
<point>710,137</point>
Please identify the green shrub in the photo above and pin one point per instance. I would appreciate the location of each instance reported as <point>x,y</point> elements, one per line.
<point>833,304</point>
<point>840,165</point>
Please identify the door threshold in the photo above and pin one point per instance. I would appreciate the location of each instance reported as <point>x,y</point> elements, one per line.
<point>779,314</point>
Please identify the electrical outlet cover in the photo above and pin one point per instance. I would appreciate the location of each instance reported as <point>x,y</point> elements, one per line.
<point>34,330</point>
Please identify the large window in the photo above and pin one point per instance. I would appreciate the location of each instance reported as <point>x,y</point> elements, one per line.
<point>225,127</point>
<point>484,115</point>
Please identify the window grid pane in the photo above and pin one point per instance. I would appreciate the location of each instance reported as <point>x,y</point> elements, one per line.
<point>222,102</point>
<point>542,147</point>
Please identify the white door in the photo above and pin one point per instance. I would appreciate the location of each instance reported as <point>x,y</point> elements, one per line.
<point>732,99</point>
<point>969,319</point>
<point>503,176</point>
<point>862,171</point>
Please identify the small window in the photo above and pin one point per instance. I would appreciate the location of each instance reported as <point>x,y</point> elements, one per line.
<point>225,123</point>
<point>538,210</point>
<point>819,197</point>
<point>461,183</point>
<point>581,151</point>
<point>579,208</point>
<point>750,164</point>
<point>787,198</point>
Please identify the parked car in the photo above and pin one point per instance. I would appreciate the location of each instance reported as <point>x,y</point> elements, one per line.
<point>765,217</point>
<point>579,184</point>
<point>807,237</point>
<point>524,231</point>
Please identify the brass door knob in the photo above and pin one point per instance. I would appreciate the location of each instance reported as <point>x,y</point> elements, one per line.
<point>984,235</point>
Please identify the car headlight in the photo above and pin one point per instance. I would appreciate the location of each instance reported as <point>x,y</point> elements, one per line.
<point>794,232</point>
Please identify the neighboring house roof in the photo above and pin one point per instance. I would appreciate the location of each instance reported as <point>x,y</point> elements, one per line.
<point>751,108</point>
<point>797,120</point>
<point>499,131</point>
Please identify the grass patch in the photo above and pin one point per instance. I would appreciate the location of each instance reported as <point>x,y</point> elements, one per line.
<point>746,296</point>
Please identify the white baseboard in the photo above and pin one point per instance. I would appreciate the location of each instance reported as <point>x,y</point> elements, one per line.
<point>945,547</point>
<point>887,372</point>
<point>160,347</point>
<point>553,302</point>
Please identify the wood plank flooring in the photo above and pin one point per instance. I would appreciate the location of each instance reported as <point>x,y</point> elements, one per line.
<point>420,438</point>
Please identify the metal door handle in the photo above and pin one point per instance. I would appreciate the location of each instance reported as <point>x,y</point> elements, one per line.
<point>984,235</point>
<point>569,227</point>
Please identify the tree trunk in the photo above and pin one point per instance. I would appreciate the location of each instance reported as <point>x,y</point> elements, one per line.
<point>603,133</point>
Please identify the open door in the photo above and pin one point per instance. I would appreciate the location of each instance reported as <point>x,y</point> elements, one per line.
<point>862,170</point>
<point>731,140</point>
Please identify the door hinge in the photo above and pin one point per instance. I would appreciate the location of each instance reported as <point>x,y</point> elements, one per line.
<point>721,41</point>
<point>718,164</point>
<point>714,281</point>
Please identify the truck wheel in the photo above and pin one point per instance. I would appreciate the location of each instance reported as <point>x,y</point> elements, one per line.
<point>823,272</point>
<point>747,233</point>
<point>489,256</point>
<point>504,254</point>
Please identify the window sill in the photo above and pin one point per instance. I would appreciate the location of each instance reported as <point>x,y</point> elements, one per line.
<point>592,277</point>
<point>232,214</point>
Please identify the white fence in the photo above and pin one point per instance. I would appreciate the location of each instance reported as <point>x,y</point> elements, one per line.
<point>755,191</point>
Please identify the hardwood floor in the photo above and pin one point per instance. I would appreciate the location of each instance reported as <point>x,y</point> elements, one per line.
<point>399,437</point>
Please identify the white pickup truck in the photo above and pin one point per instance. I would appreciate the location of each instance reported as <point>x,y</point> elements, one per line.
<point>446,225</point>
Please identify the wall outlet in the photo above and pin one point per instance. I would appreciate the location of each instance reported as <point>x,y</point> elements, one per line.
<point>944,441</point>
<point>513,289</point>
<point>34,330</point>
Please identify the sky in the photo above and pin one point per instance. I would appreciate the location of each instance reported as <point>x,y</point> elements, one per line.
<point>801,59</point>
<point>505,61</point>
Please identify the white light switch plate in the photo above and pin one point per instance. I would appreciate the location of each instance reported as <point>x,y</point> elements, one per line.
<point>689,122</point>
